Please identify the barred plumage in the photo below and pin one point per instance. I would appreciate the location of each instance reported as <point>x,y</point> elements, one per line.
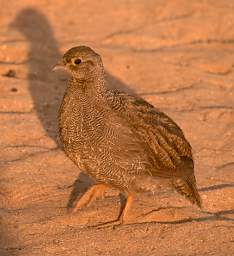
<point>119,139</point>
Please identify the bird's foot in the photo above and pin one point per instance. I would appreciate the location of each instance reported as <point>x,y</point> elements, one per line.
<point>113,224</point>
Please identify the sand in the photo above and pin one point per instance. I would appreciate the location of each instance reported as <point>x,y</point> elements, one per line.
<point>178,55</point>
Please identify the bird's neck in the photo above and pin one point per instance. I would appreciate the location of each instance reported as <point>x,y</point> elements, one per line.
<point>90,87</point>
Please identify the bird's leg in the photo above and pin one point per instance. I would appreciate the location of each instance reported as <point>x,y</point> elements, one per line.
<point>122,215</point>
<point>91,194</point>
<point>124,209</point>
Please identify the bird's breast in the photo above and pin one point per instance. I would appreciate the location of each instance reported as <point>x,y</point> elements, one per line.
<point>82,125</point>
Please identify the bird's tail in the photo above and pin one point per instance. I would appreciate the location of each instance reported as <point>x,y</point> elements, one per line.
<point>186,186</point>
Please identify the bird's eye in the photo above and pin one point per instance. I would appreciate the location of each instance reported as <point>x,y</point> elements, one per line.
<point>77,61</point>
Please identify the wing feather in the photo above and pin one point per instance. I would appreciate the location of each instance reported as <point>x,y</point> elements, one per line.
<point>155,129</point>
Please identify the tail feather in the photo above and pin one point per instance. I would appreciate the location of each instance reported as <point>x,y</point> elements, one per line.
<point>187,187</point>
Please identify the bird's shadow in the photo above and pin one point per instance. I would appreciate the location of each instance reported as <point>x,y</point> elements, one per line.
<point>46,87</point>
<point>209,216</point>
<point>217,187</point>
<point>79,187</point>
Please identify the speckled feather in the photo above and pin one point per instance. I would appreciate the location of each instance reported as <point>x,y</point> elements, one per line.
<point>117,138</point>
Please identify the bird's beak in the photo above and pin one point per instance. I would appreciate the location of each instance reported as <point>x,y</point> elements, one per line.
<point>59,66</point>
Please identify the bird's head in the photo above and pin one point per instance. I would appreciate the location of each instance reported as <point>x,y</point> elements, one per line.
<point>81,62</point>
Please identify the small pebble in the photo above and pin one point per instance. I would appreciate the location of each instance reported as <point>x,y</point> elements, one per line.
<point>14,89</point>
<point>10,73</point>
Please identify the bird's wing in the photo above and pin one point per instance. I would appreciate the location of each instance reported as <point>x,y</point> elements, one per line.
<point>159,132</point>
<point>128,151</point>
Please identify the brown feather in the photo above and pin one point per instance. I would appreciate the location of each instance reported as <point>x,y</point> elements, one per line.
<point>117,138</point>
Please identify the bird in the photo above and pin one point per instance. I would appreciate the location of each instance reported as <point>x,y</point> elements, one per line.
<point>119,139</point>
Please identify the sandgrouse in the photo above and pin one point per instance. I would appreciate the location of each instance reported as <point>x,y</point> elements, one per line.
<point>119,139</point>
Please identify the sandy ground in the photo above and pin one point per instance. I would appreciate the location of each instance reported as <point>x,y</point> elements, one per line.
<point>179,55</point>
